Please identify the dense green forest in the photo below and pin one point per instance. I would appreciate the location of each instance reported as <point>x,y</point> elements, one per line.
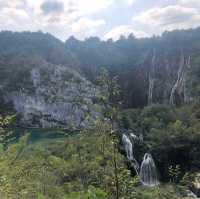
<point>99,119</point>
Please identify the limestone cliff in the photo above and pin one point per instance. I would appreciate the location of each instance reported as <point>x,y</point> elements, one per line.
<point>56,96</point>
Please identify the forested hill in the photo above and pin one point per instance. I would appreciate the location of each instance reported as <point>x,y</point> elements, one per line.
<point>160,69</point>
<point>82,142</point>
<point>147,68</point>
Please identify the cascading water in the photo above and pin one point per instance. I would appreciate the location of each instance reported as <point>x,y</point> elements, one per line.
<point>129,152</point>
<point>133,136</point>
<point>148,172</point>
<point>128,146</point>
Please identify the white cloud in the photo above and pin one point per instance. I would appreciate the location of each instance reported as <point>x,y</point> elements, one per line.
<point>190,3</point>
<point>85,24</point>
<point>124,30</point>
<point>169,18</point>
<point>12,18</point>
<point>86,27</point>
<point>91,6</point>
<point>79,17</point>
<point>34,15</point>
<point>130,2</point>
<point>14,14</point>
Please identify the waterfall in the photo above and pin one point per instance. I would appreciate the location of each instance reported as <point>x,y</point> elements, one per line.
<point>148,173</point>
<point>129,152</point>
<point>133,136</point>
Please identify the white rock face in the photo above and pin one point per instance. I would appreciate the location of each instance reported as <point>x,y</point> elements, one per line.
<point>59,97</point>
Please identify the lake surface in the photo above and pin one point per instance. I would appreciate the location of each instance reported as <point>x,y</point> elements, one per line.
<point>40,134</point>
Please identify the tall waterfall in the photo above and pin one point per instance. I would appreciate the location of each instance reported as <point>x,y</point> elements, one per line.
<point>148,173</point>
<point>129,152</point>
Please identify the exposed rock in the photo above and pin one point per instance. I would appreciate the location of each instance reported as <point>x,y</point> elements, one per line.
<point>56,97</point>
<point>195,185</point>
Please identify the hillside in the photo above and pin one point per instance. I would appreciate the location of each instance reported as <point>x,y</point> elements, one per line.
<point>139,63</point>
<point>100,119</point>
<point>147,68</point>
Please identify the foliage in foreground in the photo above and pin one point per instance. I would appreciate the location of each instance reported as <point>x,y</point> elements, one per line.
<point>79,166</point>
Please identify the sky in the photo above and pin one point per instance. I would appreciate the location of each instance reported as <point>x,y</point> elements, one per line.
<point>103,18</point>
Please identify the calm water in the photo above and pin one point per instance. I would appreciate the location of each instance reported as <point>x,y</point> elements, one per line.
<point>41,134</point>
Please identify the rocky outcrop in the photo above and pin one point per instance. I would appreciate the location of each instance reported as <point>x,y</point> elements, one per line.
<point>57,96</point>
<point>195,185</point>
